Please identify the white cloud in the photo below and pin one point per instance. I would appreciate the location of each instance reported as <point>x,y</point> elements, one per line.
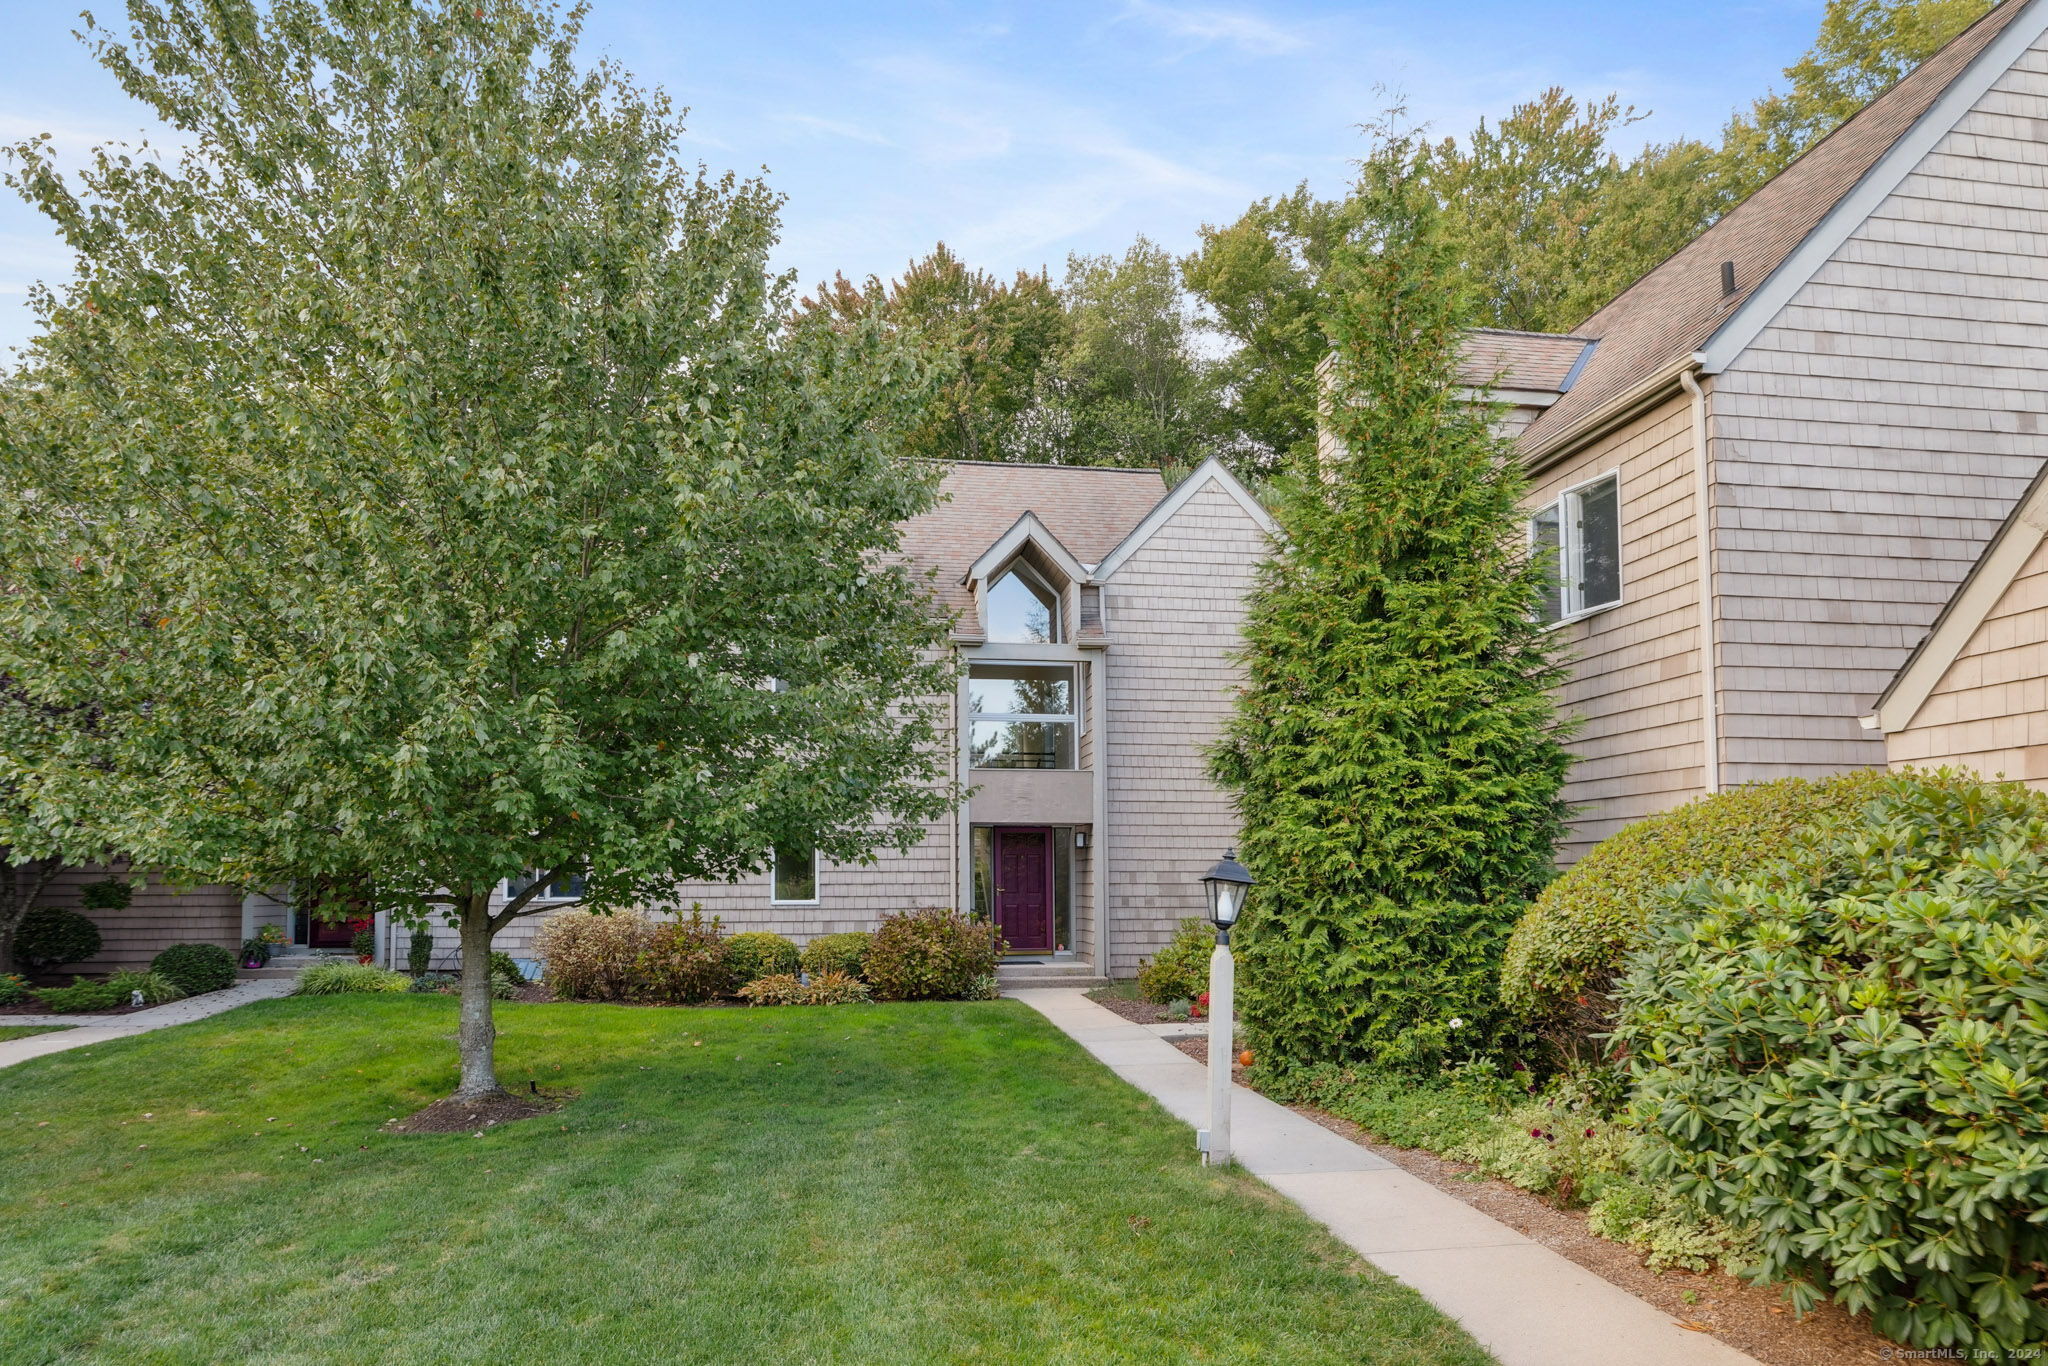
<point>1245,31</point>
<point>836,128</point>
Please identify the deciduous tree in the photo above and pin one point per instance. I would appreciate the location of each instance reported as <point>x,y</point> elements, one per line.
<point>423,477</point>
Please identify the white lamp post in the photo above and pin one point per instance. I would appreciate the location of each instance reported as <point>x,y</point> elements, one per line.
<point>1227,884</point>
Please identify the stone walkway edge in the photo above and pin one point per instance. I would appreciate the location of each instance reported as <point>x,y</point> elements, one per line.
<point>83,1031</point>
<point>1527,1305</point>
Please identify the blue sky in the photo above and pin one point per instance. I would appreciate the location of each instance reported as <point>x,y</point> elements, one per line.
<point>1020,132</point>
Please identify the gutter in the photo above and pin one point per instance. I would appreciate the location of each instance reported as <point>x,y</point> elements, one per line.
<point>1703,508</point>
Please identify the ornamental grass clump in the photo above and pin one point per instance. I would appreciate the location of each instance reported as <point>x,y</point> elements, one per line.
<point>931,955</point>
<point>1848,1051</point>
<point>342,979</point>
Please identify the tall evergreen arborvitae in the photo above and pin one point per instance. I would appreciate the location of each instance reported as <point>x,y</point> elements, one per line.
<point>1395,754</point>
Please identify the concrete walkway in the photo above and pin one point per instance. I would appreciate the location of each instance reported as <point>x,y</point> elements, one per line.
<point>1526,1304</point>
<point>83,1031</point>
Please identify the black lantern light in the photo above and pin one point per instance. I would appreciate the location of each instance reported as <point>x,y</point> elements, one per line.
<point>1227,883</point>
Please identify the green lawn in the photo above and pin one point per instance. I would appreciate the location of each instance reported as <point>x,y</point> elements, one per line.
<point>916,1183</point>
<point>23,1031</point>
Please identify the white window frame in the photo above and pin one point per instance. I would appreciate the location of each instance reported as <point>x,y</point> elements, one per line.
<point>1024,568</point>
<point>548,896</point>
<point>1570,561</point>
<point>817,886</point>
<point>1077,717</point>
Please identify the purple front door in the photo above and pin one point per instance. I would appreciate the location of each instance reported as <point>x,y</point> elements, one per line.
<point>1023,859</point>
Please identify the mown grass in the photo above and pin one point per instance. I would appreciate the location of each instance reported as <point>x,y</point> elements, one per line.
<point>857,1184</point>
<point>23,1031</point>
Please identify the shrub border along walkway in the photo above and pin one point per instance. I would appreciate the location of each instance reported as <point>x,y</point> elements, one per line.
<point>1526,1304</point>
<point>83,1031</point>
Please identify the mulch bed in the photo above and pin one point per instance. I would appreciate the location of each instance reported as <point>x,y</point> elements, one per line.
<point>1139,1012</point>
<point>1752,1318</point>
<point>452,1116</point>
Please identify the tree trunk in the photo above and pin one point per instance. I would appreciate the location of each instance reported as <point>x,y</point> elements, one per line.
<point>477,1038</point>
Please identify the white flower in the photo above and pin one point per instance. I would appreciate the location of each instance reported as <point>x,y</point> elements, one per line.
<point>1457,1023</point>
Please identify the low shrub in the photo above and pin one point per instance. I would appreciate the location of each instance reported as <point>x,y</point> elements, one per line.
<point>1669,1229</point>
<point>13,989</point>
<point>340,979</point>
<point>684,961</point>
<point>931,954</point>
<point>81,996</point>
<point>363,943</point>
<point>156,988</point>
<point>826,989</point>
<point>844,953</point>
<point>757,954</point>
<point>1180,971</point>
<point>419,952</point>
<point>1848,1050</point>
<point>48,937</point>
<point>590,957</point>
<point>433,981</point>
<point>987,987</point>
<point>1569,946</point>
<point>198,968</point>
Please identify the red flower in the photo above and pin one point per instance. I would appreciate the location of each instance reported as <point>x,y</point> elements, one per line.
<point>1589,1133</point>
<point>1535,1133</point>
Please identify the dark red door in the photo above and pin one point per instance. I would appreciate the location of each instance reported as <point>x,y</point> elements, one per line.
<point>1024,888</point>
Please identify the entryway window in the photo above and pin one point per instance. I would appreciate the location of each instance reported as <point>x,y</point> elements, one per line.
<point>1580,537</point>
<point>794,876</point>
<point>1022,715</point>
<point>1023,608</point>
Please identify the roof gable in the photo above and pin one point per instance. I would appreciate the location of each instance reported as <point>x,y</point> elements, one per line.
<point>1210,471</point>
<point>1654,327</point>
<point>1968,608</point>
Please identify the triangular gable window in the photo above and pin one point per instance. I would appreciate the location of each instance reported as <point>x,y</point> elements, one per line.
<point>1022,608</point>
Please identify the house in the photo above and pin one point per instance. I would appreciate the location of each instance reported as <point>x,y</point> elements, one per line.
<point>1768,465</point>
<point>1094,614</point>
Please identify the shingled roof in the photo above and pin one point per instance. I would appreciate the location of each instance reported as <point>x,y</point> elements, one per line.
<point>1672,312</point>
<point>1090,508</point>
<point>1495,358</point>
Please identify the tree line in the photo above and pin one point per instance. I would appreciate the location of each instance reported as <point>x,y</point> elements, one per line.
<point>1151,359</point>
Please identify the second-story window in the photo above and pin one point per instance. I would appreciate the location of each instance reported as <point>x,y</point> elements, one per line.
<point>1580,535</point>
<point>1023,608</point>
<point>1023,715</point>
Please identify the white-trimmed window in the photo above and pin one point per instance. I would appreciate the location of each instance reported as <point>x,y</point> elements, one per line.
<point>1579,538</point>
<point>567,888</point>
<point>1022,608</point>
<point>1023,715</point>
<point>793,877</point>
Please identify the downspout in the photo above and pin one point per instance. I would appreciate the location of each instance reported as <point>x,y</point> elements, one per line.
<point>1703,504</point>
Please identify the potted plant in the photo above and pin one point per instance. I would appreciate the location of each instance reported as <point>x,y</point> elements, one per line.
<point>364,943</point>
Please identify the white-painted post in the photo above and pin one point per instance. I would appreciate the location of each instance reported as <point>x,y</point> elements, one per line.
<point>1222,974</point>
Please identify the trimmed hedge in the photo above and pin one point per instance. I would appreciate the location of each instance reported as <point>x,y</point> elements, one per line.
<point>1848,1052</point>
<point>757,954</point>
<point>1569,946</point>
<point>198,968</point>
<point>931,955</point>
<point>843,953</point>
<point>48,937</point>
